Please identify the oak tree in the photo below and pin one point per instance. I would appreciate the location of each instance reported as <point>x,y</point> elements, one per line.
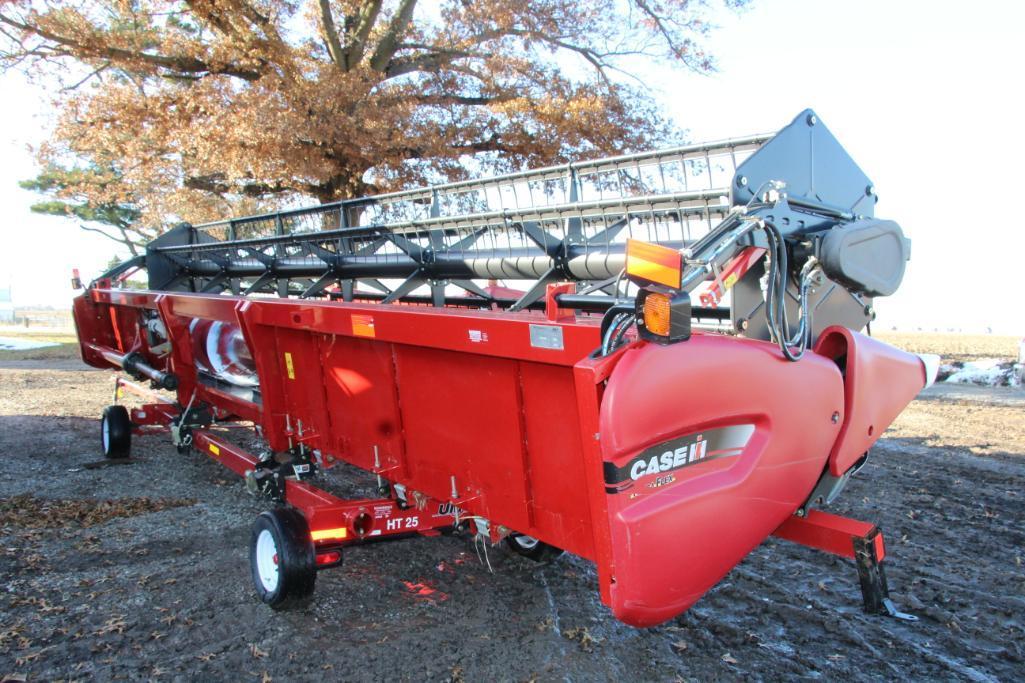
<point>190,109</point>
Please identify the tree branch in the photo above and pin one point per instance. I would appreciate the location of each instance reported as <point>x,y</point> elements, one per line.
<point>334,45</point>
<point>180,63</point>
<point>95,72</point>
<point>430,62</point>
<point>389,43</point>
<point>124,239</point>
<point>465,100</point>
<point>679,51</point>
<point>356,39</point>
<point>216,184</point>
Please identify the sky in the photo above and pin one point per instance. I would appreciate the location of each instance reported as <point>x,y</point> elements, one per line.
<point>927,98</point>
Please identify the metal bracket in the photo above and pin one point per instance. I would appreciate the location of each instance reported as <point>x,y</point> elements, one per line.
<point>853,539</point>
<point>874,589</point>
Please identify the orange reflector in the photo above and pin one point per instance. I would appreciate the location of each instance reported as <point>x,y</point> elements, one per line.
<point>656,314</point>
<point>363,325</point>
<point>333,534</point>
<point>653,263</point>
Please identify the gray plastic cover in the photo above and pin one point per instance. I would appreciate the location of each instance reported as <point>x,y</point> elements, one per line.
<point>867,256</point>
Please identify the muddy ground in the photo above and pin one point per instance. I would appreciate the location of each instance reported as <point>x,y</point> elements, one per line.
<point>155,584</point>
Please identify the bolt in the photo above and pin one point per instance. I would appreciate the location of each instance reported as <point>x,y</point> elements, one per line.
<point>836,416</point>
<point>743,324</point>
<point>742,180</point>
<point>870,190</point>
<point>812,119</point>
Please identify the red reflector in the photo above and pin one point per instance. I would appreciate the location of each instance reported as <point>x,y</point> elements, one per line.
<point>329,558</point>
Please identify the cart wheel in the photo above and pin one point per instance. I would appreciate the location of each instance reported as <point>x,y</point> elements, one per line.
<point>533,549</point>
<point>282,558</point>
<point>116,432</point>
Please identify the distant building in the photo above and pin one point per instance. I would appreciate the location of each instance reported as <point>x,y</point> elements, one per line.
<point>6,306</point>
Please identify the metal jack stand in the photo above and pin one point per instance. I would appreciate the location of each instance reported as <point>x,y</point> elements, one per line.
<point>859,541</point>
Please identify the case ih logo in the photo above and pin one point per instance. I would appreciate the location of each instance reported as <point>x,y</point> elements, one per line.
<point>691,449</point>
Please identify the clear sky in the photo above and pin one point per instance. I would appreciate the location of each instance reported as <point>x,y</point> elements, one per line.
<point>926,96</point>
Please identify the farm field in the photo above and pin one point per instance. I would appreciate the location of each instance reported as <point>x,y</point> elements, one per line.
<point>140,571</point>
<point>954,347</point>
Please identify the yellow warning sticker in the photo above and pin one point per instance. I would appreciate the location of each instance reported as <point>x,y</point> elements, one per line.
<point>731,280</point>
<point>214,449</point>
<point>289,368</point>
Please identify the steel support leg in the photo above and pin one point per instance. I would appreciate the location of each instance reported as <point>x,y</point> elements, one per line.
<point>874,590</point>
<point>859,541</point>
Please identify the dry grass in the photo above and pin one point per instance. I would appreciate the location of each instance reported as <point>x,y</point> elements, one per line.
<point>56,334</point>
<point>65,351</point>
<point>954,347</point>
<point>66,338</point>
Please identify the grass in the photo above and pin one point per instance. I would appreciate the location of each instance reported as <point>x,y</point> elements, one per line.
<point>67,340</point>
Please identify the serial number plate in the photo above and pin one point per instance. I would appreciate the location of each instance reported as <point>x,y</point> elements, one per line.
<point>546,337</point>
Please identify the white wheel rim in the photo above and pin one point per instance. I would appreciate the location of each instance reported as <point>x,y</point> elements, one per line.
<point>105,431</point>
<point>267,561</point>
<point>526,542</point>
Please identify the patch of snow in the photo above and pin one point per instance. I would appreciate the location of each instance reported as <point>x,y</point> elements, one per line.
<point>988,372</point>
<point>21,344</point>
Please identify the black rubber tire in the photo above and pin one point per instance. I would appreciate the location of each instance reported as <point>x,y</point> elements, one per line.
<point>115,433</point>
<point>532,549</point>
<point>296,561</point>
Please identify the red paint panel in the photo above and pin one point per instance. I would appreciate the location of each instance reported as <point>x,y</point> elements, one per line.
<point>302,381</point>
<point>461,417</point>
<point>555,459</point>
<point>125,297</point>
<point>208,306</point>
<point>507,334</point>
<point>93,326</point>
<point>672,543</point>
<point>359,382</point>
<point>879,382</point>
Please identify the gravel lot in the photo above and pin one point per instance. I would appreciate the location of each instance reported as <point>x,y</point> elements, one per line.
<point>140,571</point>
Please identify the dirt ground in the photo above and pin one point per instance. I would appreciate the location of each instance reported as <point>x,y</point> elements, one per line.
<point>140,571</point>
